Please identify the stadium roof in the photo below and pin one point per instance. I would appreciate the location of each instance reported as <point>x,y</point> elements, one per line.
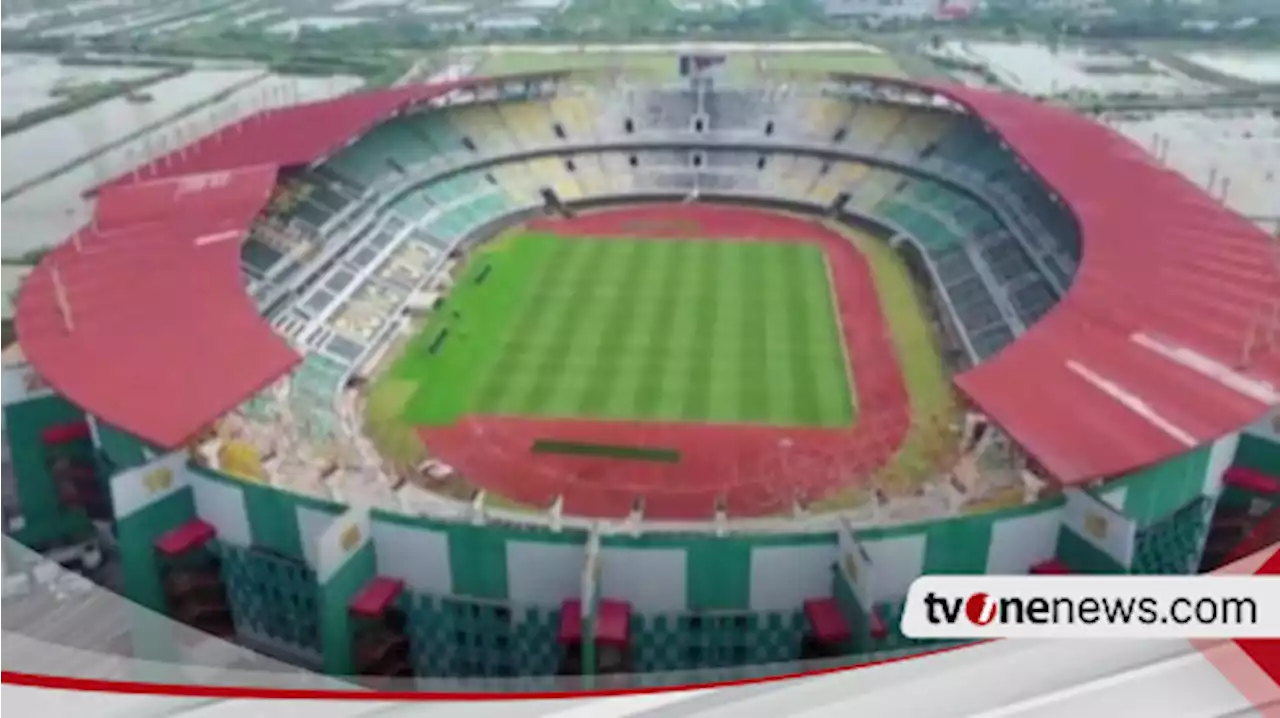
<point>1168,336</point>
<point>153,331</point>
<point>142,318</point>
<point>1142,359</point>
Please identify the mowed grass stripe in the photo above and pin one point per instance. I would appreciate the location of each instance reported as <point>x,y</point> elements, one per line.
<point>566,318</point>
<point>697,395</point>
<point>832,369</point>
<point>651,380</point>
<point>639,329</point>
<point>611,340</point>
<point>503,374</point>
<point>754,403</point>
<point>779,354</point>
<point>573,359</point>
<point>682,334</point>
<point>724,352</point>
<point>511,375</point>
<point>808,403</point>
<point>476,315</point>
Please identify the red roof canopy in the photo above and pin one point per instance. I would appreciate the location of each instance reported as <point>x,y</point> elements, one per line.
<point>1120,374</point>
<point>156,334</point>
<point>299,134</point>
<point>295,135</point>
<point>1135,365</point>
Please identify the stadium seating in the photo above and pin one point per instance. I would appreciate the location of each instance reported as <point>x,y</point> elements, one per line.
<point>576,115</point>
<point>617,171</point>
<point>913,134</point>
<point>869,127</point>
<point>484,127</point>
<point>551,172</point>
<point>312,392</point>
<point>326,198</point>
<point>257,258</point>
<point>839,178</point>
<point>516,179</point>
<point>531,123</point>
<point>435,130</point>
<point>798,176</point>
<point>667,109</point>
<point>821,118</point>
<point>735,110</point>
<point>873,187</point>
<point>589,173</point>
<point>387,149</point>
<point>981,263</point>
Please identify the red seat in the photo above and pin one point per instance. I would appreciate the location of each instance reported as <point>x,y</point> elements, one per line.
<point>1251,480</point>
<point>613,622</point>
<point>825,620</point>
<point>376,596</point>
<point>191,535</point>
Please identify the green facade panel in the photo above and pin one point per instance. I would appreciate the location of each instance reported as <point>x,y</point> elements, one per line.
<point>1084,557</point>
<point>719,575</point>
<point>958,546</point>
<point>1156,492</point>
<point>337,626</point>
<point>47,521</point>
<point>718,579</point>
<point>136,535</point>
<point>122,449</point>
<point>478,557</point>
<point>1259,453</point>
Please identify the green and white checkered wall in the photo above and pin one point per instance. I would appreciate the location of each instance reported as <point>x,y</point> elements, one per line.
<point>698,599</point>
<point>484,600</point>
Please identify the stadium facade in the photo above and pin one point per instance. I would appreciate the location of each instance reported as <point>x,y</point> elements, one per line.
<point>1110,321</point>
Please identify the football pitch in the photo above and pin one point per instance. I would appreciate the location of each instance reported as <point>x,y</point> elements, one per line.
<point>618,329</point>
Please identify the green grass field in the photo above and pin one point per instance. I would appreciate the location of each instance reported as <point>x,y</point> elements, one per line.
<point>699,331</point>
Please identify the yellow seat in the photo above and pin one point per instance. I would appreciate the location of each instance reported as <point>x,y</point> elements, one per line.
<point>531,123</point>
<point>482,124</point>
<point>551,172</point>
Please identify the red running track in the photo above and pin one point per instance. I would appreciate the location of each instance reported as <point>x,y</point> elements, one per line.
<point>751,470</point>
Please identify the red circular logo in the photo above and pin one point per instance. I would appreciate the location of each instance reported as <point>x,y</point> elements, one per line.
<point>980,609</point>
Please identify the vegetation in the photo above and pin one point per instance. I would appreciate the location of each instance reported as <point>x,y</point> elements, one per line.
<point>934,407</point>
<point>76,98</point>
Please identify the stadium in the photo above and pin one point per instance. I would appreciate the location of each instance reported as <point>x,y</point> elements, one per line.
<point>573,374</point>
